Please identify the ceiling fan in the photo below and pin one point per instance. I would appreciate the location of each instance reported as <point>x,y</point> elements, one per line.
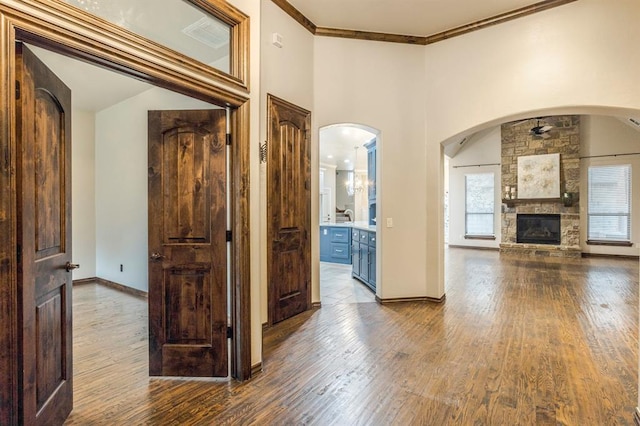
<point>540,130</point>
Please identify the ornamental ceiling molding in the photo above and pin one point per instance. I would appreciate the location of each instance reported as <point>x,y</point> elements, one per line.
<point>418,40</point>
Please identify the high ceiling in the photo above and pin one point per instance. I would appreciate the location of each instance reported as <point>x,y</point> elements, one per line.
<point>408,17</point>
<point>343,146</point>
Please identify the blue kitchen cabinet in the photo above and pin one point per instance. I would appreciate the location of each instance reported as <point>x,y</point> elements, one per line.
<point>335,244</point>
<point>363,253</point>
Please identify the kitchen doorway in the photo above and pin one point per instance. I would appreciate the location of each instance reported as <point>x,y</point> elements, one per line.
<point>348,208</point>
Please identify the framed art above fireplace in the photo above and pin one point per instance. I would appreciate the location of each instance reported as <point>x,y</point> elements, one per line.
<point>539,176</point>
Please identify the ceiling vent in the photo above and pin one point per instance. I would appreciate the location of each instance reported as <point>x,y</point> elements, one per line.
<point>208,31</point>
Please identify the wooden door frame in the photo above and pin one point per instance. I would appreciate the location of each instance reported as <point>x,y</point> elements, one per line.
<point>58,27</point>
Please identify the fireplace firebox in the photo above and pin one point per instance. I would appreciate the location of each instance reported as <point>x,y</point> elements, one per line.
<point>538,229</point>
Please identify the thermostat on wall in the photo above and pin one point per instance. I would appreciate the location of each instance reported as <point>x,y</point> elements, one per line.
<point>276,39</point>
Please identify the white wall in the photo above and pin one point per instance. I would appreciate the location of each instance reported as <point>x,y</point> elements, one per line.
<point>361,198</point>
<point>83,207</point>
<point>570,59</point>
<point>606,136</point>
<point>287,73</point>
<point>330,184</point>
<point>599,136</point>
<point>485,149</point>
<point>381,85</point>
<point>343,200</point>
<point>121,184</point>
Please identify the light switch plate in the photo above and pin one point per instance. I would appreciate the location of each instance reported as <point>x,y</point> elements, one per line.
<point>389,222</point>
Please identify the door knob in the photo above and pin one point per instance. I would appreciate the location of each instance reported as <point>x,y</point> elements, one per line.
<point>156,256</point>
<point>71,266</point>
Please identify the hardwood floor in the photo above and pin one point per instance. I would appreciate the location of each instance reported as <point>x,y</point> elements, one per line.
<point>519,341</point>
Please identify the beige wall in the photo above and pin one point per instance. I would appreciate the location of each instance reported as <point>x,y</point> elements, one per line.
<point>607,136</point>
<point>570,59</point>
<point>483,148</point>
<point>252,9</point>
<point>121,181</point>
<point>380,85</point>
<point>286,73</point>
<point>83,208</point>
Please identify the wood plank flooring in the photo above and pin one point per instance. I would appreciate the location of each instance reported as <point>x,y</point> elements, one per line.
<point>519,341</point>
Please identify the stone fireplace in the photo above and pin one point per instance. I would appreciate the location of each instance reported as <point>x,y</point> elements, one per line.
<point>554,228</point>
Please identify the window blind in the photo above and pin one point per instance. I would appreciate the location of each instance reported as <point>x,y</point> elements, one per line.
<point>479,204</point>
<point>609,209</point>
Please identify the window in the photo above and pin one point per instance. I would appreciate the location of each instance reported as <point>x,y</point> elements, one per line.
<point>609,214</point>
<point>479,205</point>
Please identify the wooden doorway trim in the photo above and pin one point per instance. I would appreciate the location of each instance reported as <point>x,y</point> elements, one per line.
<point>56,26</point>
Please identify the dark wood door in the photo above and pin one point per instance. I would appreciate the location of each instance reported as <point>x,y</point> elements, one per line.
<point>288,210</point>
<point>43,123</point>
<point>187,244</point>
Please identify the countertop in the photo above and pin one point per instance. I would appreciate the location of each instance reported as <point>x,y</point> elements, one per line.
<point>358,225</point>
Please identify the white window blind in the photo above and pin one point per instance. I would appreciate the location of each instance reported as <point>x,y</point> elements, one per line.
<point>609,211</point>
<point>479,204</point>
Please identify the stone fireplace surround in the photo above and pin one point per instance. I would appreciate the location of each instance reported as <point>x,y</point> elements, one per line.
<point>565,140</point>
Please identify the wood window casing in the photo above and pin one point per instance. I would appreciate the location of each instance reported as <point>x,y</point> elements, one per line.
<point>61,28</point>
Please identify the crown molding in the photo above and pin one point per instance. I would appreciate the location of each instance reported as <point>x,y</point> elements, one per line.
<point>495,20</point>
<point>296,14</point>
<point>370,35</point>
<point>412,39</point>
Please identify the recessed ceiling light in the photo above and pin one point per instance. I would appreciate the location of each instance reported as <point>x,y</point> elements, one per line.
<point>329,156</point>
<point>347,161</point>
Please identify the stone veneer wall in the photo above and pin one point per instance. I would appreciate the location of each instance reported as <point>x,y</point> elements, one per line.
<point>565,140</point>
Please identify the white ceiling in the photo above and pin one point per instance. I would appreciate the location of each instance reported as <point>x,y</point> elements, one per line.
<point>338,143</point>
<point>92,88</point>
<point>408,17</point>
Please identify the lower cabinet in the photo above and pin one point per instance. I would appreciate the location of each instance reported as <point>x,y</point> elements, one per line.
<point>363,256</point>
<point>334,244</point>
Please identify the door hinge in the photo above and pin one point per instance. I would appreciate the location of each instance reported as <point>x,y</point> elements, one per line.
<point>229,332</point>
<point>263,152</point>
<point>17,90</point>
<point>228,138</point>
<point>19,253</point>
<point>228,236</point>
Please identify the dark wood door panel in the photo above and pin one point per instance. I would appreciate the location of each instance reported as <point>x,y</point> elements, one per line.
<point>188,306</point>
<point>50,355</point>
<point>288,210</point>
<point>187,243</point>
<point>49,175</point>
<point>43,119</point>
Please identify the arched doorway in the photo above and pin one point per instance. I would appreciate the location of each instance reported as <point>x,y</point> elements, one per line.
<point>348,200</point>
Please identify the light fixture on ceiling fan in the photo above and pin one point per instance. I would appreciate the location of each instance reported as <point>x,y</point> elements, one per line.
<point>539,130</point>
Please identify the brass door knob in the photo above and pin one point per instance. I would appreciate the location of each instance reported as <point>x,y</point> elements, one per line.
<point>71,266</point>
<point>156,256</point>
